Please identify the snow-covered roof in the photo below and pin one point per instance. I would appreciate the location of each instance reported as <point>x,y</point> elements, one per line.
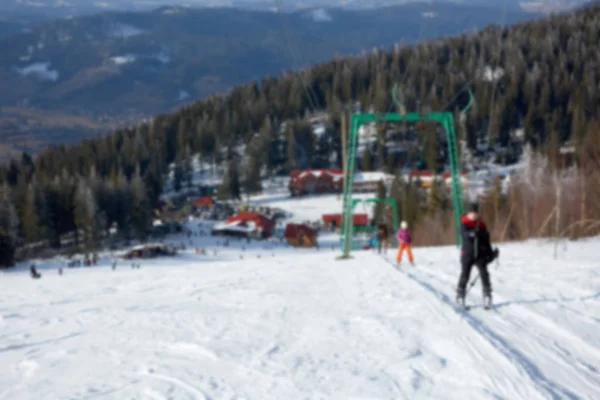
<point>371,176</point>
<point>247,226</point>
<point>375,176</point>
<point>145,246</point>
<point>319,173</point>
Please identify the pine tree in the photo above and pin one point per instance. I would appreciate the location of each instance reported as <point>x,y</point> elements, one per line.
<point>230,186</point>
<point>252,181</point>
<point>292,158</point>
<point>9,226</point>
<point>123,205</point>
<point>366,162</point>
<point>85,215</point>
<point>178,173</point>
<point>50,214</point>
<point>141,211</point>
<point>234,181</point>
<point>379,207</point>
<point>267,139</point>
<point>188,168</point>
<point>31,221</point>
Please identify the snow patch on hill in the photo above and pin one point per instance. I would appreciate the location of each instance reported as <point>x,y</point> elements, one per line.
<point>320,15</point>
<point>125,59</point>
<point>41,70</point>
<point>183,95</point>
<point>125,31</point>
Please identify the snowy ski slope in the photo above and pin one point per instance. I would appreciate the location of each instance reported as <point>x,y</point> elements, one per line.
<point>295,324</point>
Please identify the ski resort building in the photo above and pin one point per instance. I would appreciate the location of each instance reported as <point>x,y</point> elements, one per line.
<point>300,235</point>
<point>333,221</point>
<point>321,181</point>
<point>426,178</point>
<point>246,224</point>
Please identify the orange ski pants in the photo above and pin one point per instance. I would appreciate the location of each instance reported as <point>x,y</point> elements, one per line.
<point>404,247</point>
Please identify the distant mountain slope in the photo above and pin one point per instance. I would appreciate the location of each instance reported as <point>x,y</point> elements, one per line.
<point>116,67</point>
<point>12,24</point>
<point>62,8</point>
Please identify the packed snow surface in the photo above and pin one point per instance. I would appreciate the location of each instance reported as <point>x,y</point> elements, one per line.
<point>297,324</point>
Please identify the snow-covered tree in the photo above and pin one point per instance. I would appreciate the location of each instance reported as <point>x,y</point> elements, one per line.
<point>467,159</point>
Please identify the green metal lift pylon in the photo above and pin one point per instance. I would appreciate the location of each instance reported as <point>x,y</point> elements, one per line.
<point>445,118</point>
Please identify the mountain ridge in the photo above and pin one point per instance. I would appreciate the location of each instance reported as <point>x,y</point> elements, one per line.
<point>116,68</point>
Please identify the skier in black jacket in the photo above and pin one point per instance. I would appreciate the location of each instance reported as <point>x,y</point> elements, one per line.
<point>476,250</point>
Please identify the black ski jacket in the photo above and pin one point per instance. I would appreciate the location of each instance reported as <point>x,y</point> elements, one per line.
<point>476,245</point>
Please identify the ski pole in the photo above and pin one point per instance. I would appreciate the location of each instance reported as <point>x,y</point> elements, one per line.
<point>473,282</point>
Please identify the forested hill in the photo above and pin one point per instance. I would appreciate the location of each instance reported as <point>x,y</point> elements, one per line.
<point>73,78</point>
<point>547,83</point>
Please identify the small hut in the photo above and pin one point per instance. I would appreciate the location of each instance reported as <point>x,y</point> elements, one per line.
<point>300,235</point>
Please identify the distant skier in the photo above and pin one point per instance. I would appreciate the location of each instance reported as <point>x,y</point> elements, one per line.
<point>476,250</point>
<point>404,243</point>
<point>382,238</point>
<point>33,272</point>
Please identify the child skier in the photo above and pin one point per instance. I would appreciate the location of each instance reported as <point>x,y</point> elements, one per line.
<point>404,243</point>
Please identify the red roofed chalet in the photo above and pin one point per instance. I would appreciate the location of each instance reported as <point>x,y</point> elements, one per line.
<point>263,224</point>
<point>300,235</point>
<point>336,219</point>
<point>316,181</point>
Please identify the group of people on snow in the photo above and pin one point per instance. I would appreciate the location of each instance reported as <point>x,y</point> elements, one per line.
<point>476,250</point>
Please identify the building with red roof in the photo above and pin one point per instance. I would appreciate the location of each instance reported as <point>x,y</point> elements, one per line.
<point>300,235</point>
<point>246,224</point>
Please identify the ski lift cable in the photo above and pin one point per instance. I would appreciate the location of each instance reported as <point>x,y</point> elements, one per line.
<point>313,103</point>
<point>303,59</point>
<point>307,89</point>
<point>395,102</point>
<point>470,81</point>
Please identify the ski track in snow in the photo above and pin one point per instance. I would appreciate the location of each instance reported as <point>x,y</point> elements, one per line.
<point>298,324</point>
<point>541,335</point>
<point>516,357</point>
